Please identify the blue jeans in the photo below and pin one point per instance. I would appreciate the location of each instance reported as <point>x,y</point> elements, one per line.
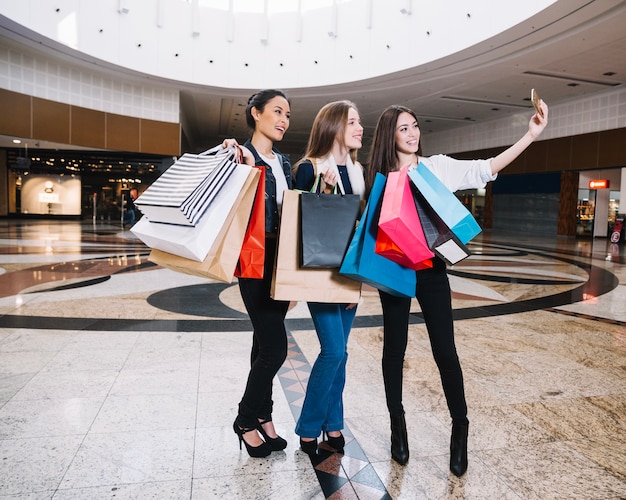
<point>323,404</point>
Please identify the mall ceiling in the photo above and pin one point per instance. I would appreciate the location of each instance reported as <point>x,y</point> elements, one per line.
<point>578,50</point>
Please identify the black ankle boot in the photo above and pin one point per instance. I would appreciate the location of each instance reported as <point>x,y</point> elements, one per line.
<point>399,440</point>
<point>458,449</point>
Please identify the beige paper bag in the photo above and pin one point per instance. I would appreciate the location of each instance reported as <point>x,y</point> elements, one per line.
<point>292,283</point>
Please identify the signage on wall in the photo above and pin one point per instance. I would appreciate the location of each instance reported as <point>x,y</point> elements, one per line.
<point>599,184</point>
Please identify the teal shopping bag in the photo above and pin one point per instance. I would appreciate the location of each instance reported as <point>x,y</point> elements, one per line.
<point>445,204</point>
<point>363,264</point>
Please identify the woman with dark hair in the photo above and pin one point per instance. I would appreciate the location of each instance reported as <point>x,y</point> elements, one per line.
<point>267,114</point>
<point>396,143</point>
<point>331,152</point>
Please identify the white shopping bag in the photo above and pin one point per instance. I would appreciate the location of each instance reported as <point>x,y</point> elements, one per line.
<point>194,242</point>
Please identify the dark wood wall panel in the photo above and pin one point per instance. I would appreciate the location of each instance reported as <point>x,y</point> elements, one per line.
<point>559,154</point>
<point>88,127</point>
<point>568,200</point>
<point>612,148</point>
<point>122,132</point>
<point>51,121</point>
<point>159,137</point>
<point>584,151</point>
<point>595,150</point>
<point>15,117</point>
<point>536,157</point>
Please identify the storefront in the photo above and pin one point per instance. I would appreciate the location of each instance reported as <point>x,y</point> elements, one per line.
<point>77,184</point>
<point>598,202</point>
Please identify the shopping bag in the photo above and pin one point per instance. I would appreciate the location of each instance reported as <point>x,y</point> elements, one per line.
<point>221,260</point>
<point>194,242</point>
<point>439,236</point>
<point>443,201</point>
<point>327,224</point>
<point>388,249</point>
<point>400,235</point>
<point>182,194</point>
<point>293,283</point>
<point>362,263</point>
<point>251,261</point>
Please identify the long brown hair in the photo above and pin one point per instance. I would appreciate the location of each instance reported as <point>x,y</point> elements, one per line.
<point>329,125</point>
<point>383,156</point>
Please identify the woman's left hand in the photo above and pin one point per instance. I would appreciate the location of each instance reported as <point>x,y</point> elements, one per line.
<point>351,306</point>
<point>539,122</point>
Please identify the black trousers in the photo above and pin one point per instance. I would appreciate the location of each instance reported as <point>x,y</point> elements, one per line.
<point>269,342</point>
<point>434,296</point>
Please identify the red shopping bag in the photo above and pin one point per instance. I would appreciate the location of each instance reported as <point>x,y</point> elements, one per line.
<point>252,257</point>
<point>387,248</point>
<point>400,235</point>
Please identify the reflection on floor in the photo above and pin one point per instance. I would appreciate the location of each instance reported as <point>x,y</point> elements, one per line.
<point>119,379</point>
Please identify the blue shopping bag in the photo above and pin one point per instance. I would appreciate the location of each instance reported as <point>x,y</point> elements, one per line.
<point>443,201</point>
<point>363,264</point>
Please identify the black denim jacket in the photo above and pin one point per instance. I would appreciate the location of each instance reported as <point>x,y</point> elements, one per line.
<point>271,206</point>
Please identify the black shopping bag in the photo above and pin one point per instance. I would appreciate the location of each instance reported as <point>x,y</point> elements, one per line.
<point>440,238</point>
<point>327,224</point>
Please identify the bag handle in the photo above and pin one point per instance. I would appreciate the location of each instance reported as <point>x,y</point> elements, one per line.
<point>233,152</point>
<point>316,186</point>
<point>318,178</point>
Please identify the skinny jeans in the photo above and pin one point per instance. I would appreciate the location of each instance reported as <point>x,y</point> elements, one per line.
<point>323,403</point>
<point>434,296</point>
<point>269,342</point>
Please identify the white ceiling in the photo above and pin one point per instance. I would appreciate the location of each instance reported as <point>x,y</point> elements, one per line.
<point>577,50</point>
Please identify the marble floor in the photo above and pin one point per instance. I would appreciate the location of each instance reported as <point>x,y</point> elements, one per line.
<point>119,379</point>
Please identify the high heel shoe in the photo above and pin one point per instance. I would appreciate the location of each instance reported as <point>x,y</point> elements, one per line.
<point>336,443</point>
<point>263,450</point>
<point>399,440</point>
<point>458,449</point>
<point>309,447</point>
<point>277,443</point>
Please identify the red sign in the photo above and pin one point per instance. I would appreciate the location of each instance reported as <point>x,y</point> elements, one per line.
<point>599,184</point>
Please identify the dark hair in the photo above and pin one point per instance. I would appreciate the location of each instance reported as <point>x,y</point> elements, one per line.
<point>259,100</point>
<point>383,157</point>
<point>329,124</point>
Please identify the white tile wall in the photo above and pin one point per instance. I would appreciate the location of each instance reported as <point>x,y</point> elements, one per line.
<point>39,77</point>
<point>601,112</point>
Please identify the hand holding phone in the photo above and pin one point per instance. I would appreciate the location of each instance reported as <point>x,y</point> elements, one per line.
<point>534,97</point>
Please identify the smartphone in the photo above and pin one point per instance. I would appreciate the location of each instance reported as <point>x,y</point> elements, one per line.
<point>534,97</point>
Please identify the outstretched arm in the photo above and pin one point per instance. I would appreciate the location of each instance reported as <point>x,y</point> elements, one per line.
<point>535,127</point>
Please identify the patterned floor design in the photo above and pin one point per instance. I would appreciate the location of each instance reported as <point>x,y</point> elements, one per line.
<point>347,475</point>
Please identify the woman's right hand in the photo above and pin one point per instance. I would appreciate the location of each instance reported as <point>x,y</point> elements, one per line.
<point>246,155</point>
<point>230,143</point>
<point>330,180</point>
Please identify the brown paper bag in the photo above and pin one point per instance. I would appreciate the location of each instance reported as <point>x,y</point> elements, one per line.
<point>290,282</point>
<point>221,261</point>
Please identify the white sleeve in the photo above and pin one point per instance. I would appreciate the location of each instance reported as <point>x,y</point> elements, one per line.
<point>460,174</point>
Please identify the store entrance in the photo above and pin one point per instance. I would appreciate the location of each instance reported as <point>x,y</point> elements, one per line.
<point>585,212</point>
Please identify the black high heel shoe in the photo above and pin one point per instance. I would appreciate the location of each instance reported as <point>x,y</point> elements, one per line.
<point>263,450</point>
<point>277,443</point>
<point>458,449</point>
<point>336,443</point>
<point>399,440</point>
<point>308,447</point>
